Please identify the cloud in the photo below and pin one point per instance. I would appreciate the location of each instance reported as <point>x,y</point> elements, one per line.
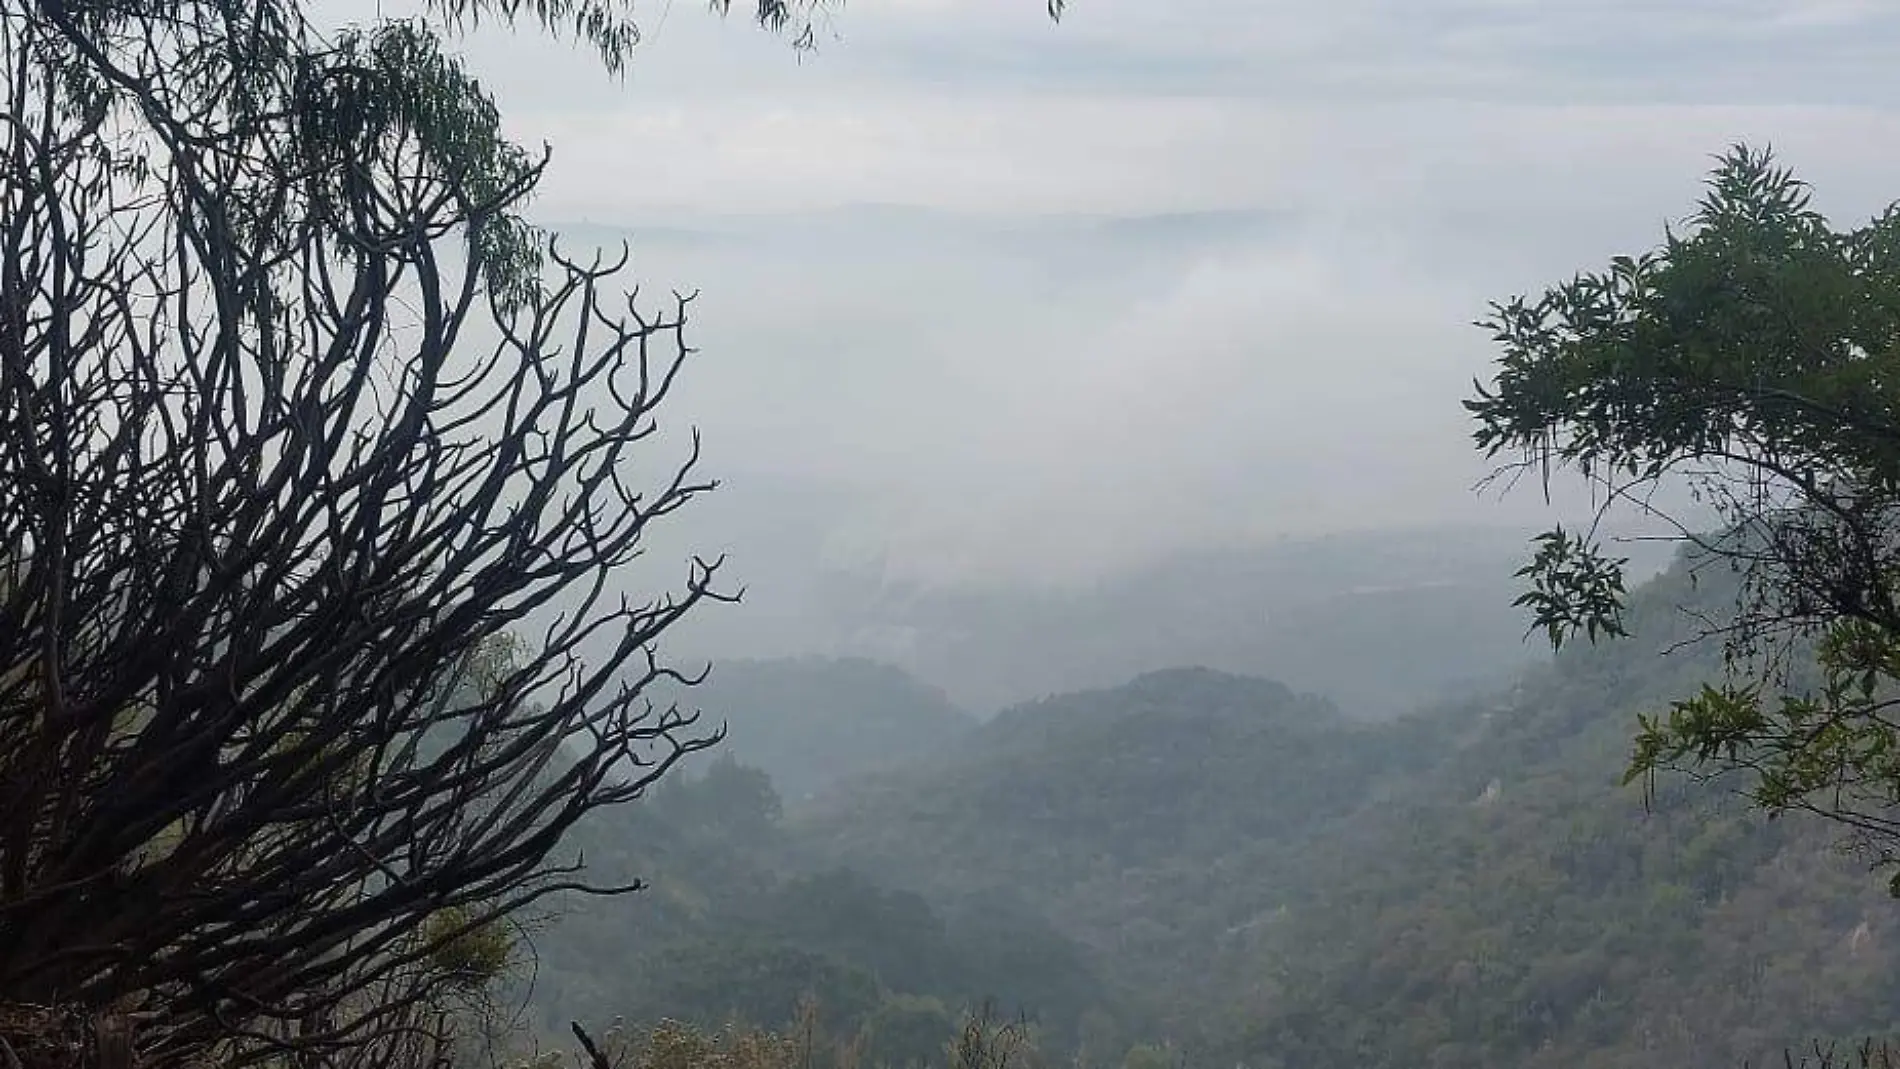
<point>1167,273</point>
<point>1048,400</point>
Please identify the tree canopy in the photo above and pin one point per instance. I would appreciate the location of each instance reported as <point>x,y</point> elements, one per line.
<point>1754,357</point>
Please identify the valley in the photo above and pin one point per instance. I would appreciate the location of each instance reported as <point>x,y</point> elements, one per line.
<point>1226,868</point>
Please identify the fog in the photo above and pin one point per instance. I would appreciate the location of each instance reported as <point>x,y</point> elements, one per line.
<point>990,302</point>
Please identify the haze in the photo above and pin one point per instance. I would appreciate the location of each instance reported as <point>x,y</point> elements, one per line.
<point>992,302</point>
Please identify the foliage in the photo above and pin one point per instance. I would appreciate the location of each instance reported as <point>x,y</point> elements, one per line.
<point>610,27</point>
<point>1464,887</point>
<point>1866,1054</point>
<point>1752,358</point>
<point>761,982</point>
<point>468,952</point>
<point>1128,820</point>
<point>1148,1056</point>
<point>729,802</point>
<point>674,1046</point>
<point>908,1031</point>
<point>984,1042</point>
<point>301,442</point>
<point>321,477</point>
<point>738,924</point>
<point>1513,909</point>
<point>976,1040</point>
<point>1573,588</point>
<point>811,722</point>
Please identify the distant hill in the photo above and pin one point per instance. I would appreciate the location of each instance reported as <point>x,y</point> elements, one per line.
<point>1120,812</point>
<point>1359,619</point>
<point>811,721</point>
<point>1379,622</point>
<point>1274,885</point>
<point>729,927</point>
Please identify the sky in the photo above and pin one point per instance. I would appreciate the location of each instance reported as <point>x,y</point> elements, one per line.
<point>990,299</point>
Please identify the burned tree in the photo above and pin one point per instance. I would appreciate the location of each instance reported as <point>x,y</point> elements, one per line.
<point>297,423</point>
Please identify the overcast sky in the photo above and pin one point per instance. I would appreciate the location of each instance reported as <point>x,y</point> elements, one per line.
<point>989,295</point>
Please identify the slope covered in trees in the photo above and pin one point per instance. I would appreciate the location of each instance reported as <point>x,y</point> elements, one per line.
<point>734,926</point>
<point>1272,884</point>
<point>1518,906</point>
<point>1307,612</point>
<point>1123,813</point>
<point>808,722</point>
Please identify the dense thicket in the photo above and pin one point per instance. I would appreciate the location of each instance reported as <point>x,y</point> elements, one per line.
<point>1517,906</point>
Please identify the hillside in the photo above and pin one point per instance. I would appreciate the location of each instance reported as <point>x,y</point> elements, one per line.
<point>1519,907</point>
<point>808,722</point>
<point>1276,885</point>
<point>1312,613</point>
<point>1127,816</point>
<point>727,930</point>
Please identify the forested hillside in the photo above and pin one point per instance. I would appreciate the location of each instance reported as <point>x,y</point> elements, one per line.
<point>736,926</point>
<point>1469,886</point>
<point>1310,612</point>
<point>811,721</point>
<point>1128,815</point>
<point>1520,907</point>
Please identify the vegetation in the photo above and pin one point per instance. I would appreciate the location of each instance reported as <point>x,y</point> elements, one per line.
<point>1308,612</point>
<point>1750,357</point>
<point>739,925</point>
<point>1464,887</point>
<point>811,722</point>
<point>979,1041</point>
<point>1126,813</point>
<point>319,478</point>
<point>1514,908</point>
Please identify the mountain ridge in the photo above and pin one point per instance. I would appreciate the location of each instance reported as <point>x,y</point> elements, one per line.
<point>1320,892</point>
